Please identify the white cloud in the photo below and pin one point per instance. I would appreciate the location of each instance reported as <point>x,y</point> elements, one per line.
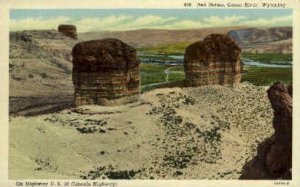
<point>125,22</point>
<point>184,24</point>
<point>106,23</point>
<point>224,21</point>
<point>212,21</point>
<point>121,23</point>
<point>152,20</point>
<point>38,23</point>
<point>275,21</point>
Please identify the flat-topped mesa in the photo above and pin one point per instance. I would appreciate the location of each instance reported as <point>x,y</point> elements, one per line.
<point>68,30</point>
<point>105,72</point>
<point>215,60</point>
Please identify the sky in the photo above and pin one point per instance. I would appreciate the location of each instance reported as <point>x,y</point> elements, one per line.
<point>87,20</point>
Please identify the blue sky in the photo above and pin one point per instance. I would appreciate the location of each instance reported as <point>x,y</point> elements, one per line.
<point>130,19</point>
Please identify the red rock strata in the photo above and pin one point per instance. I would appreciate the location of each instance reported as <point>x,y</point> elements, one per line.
<point>274,155</point>
<point>215,60</point>
<point>105,72</point>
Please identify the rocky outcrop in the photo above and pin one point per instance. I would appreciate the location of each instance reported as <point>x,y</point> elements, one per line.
<point>40,65</point>
<point>261,35</point>
<point>274,155</point>
<point>105,72</point>
<point>215,60</point>
<point>68,30</point>
<point>264,40</point>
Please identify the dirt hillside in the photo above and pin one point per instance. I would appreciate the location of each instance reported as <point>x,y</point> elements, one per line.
<point>208,132</point>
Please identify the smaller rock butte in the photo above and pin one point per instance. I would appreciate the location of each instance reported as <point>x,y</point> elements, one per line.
<point>105,72</point>
<point>215,60</point>
<point>68,30</point>
<point>274,155</point>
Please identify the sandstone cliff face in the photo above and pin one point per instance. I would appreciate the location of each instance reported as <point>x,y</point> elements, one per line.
<point>274,155</point>
<point>105,72</point>
<point>215,60</point>
<point>68,30</point>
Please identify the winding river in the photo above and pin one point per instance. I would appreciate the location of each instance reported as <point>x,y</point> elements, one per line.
<point>178,59</point>
<point>174,60</point>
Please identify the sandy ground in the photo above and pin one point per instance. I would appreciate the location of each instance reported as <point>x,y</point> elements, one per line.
<point>180,133</point>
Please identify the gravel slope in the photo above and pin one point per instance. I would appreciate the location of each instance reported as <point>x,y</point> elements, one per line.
<point>207,132</point>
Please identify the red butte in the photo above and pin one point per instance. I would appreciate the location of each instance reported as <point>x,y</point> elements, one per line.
<point>68,30</point>
<point>105,72</point>
<point>215,60</point>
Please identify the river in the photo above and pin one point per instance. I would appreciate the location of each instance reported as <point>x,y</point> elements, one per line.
<point>178,60</point>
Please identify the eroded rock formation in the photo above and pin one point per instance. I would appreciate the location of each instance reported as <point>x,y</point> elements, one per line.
<point>215,60</point>
<point>68,30</point>
<point>274,155</point>
<point>105,72</point>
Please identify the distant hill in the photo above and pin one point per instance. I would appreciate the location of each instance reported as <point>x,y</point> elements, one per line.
<point>275,40</point>
<point>155,37</point>
<point>260,40</point>
<point>256,35</point>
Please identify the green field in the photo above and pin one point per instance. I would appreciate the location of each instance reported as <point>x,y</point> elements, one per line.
<point>271,58</point>
<point>153,74</point>
<point>170,49</point>
<point>177,74</point>
<point>179,49</point>
<point>264,76</point>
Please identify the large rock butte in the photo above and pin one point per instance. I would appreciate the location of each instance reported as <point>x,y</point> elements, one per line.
<point>105,72</point>
<point>215,60</point>
<point>68,30</point>
<point>274,155</point>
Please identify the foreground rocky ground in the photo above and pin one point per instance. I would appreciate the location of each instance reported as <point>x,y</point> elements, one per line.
<point>208,132</point>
